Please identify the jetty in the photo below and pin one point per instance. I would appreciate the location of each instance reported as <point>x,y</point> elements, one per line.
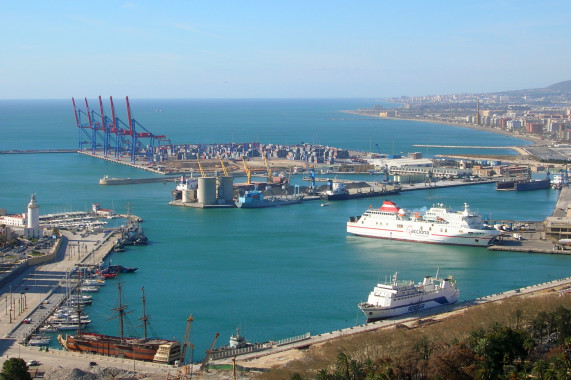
<point>131,181</point>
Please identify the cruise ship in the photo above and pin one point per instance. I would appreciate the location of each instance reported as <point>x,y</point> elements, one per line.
<point>439,225</point>
<point>401,297</point>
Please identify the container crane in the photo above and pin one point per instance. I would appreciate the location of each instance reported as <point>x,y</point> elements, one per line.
<point>248,171</point>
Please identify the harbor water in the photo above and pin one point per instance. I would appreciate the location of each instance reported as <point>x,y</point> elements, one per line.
<point>276,272</point>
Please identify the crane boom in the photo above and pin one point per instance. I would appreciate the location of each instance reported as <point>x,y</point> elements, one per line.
<point>186,335</point>
<point>270,177</point>
<point>200,167</point>
<point>205,361</point>
<point>223,167</point>
<point>248,171</point>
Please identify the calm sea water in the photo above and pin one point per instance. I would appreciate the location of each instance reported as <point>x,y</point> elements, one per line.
<point>274,272</point>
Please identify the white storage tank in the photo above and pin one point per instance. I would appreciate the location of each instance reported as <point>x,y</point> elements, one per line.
<point>207,190</point>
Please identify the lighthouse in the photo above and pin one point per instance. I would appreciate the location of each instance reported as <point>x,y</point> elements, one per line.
<point>33,213</point>
<point>33,229</point>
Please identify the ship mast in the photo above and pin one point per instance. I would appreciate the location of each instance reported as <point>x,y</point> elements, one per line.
<point>145,318</point>
<point>121,309</point>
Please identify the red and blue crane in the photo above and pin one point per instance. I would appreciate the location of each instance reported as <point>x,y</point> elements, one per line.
<point>112,134</point>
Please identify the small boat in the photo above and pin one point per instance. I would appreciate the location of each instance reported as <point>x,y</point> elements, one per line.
<point>48,328</point>
<point>89,289</point>
<point>115,269</point>
<point>39,340</point>
<point>94,282</point>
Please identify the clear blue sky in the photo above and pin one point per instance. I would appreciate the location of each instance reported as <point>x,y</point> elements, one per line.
<point>279,49</point>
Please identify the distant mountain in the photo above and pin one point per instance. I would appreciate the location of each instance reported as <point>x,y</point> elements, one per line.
<point>556,93</point>
<point>560,87</point>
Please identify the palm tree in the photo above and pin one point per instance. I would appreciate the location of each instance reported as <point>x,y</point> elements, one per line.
<point>540,368</point>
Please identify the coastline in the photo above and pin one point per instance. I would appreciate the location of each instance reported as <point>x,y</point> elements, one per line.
<point>533,140</point>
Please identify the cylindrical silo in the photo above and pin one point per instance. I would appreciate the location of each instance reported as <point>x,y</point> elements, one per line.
<point>207,190</point>
<point>226,189</point>
<point>189,196</point>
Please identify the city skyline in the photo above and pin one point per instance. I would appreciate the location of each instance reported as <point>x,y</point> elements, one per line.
<point>279,50</point>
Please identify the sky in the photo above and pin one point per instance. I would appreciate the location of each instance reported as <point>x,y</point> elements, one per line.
<point>280,49</point>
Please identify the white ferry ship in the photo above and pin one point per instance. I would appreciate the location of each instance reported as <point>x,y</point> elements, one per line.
<point>397,298</point>
<point>438,225</point>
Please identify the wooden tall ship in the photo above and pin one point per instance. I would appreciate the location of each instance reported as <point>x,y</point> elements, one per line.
<point>153,350</point>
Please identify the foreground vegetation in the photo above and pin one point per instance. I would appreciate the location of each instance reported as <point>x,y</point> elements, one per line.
<point>517,338</point>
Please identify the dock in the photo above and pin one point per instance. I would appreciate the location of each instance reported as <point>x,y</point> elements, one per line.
<point>248,360</point>
<point>533,240</point>
<point>131,181</point>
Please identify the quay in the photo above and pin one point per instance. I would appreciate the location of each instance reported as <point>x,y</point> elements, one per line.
<point>38,290</point>
<point>130,181</point>
<point>273,355</point>
<point>541,237</point>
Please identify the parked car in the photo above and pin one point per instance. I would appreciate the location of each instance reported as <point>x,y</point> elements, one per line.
<point>27,321</point>
<point>32,362</point>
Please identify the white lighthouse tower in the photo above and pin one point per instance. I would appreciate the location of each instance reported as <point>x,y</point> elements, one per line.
<point>33,229</point>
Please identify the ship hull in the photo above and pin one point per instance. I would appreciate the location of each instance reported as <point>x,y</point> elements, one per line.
<point>412,233</point>
<point>533,185</point>
<point>524,185</point>
<point>378,313</point>
<point>268,203</point>
<point>365,194</point>
<point>129,348</point>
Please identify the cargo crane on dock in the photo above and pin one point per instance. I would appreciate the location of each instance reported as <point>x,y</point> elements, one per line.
<point>248,171</point>
<point>185,344</point>
<point>223,167</point>
<point>270,176</point>
<point>129,137</point>
<point>200,167</point>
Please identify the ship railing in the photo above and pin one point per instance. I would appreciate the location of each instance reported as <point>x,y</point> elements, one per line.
<point>216,355</point>
<point>293,339</point>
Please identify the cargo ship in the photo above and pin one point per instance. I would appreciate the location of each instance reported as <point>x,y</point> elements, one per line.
<point>255,199</point>
<point>153,350</point>
<point>402,297</point>
<point>438,225</point>
<point>523,183</point>
<point>337,191</point>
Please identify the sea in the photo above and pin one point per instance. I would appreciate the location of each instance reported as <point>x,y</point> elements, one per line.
<point>276,272</point>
